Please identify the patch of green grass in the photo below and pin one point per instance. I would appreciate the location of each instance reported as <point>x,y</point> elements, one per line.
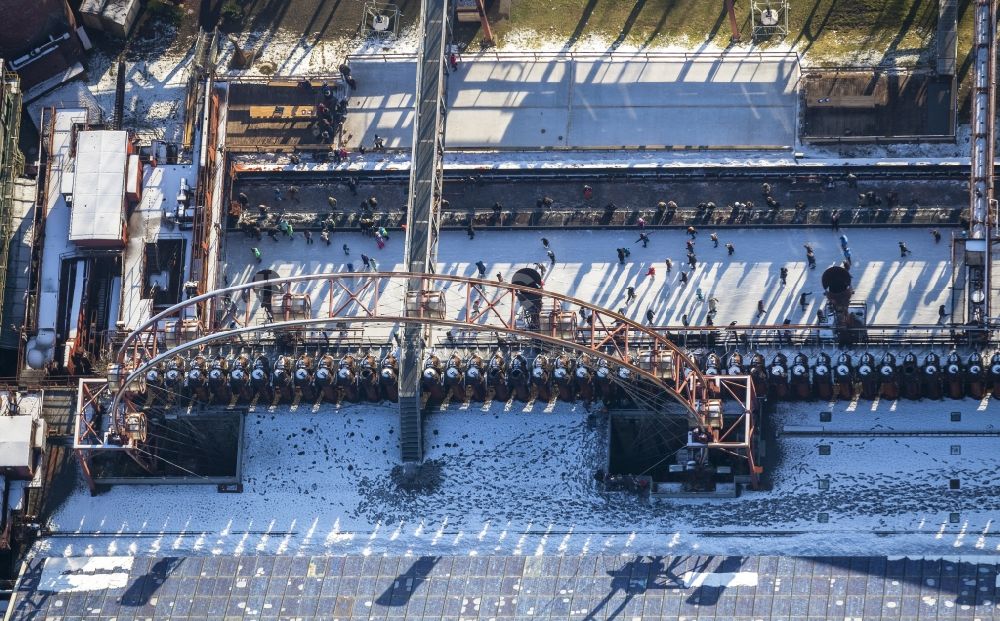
<point>165,12</point>
<point>823,29</point>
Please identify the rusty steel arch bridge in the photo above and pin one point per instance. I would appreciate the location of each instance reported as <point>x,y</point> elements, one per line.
<point>308,307</point>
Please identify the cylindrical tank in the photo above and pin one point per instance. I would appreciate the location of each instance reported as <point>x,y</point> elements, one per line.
<point>475,377</point>
<point>822,377</point>
<point>430,380</point>
<point>931,372</point>
<point>975,374</point>
<point>389,378</point>
<point>518,378</point>
<point>777,377</point>
<point>801,387</point>
<point>758,374</point>
<point>324,379</point>
<point>196,381</point>
<point>368,379</point>
<point>454,378</point>
<point>910,379</point>
<point>955,376</point>
<point>347,379</point>
<point>496,378</point>
<point>583,379</point>
<point>281,379</point>
<point>868,376</point>
<point>605,388</point>
<point>888,377</point>
<point>562,377</point>
<point>540,376</point>
<point>995,375</point>
<point>218,381</point>
<point>303,379</point>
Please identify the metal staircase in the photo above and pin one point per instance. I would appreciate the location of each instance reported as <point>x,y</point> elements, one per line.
<point>424,213</point>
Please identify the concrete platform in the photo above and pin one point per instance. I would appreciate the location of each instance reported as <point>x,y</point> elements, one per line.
<point>508,587</point>
<point>593,101</point>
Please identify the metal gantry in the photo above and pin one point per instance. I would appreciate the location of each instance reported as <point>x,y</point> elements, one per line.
<point>978,246</point>
<point>424,212</point>
<point>653,369</point>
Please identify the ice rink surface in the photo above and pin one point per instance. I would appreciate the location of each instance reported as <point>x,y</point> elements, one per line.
<point>896,289</point>
<point>532,101</point>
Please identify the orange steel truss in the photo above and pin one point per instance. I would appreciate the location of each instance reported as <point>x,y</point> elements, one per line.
<point>454,302</point>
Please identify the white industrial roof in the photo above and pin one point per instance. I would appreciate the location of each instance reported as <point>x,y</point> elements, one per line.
<point>99,186</point>
<point>15,441</point>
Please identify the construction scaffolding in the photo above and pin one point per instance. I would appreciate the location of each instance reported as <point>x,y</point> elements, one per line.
<point>11,163</point>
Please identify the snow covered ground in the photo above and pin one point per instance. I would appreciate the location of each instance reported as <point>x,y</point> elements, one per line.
<point>897,290</point>
<point>517,479</point>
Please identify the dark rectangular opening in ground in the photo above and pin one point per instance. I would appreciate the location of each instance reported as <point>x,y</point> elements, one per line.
<point>645,444</point>
<point>200,447</point>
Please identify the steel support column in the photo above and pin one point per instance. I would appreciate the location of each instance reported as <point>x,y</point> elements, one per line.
<point>423,213</point>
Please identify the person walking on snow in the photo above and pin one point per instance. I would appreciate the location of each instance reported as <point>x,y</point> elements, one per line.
<point>642,238</point>
<point>715,240</point>
<point>903,250</point>
<point>783,275</point>
<point>803,302</point>
<point>810,256</point>
<point>629,294</point>
<point>552,258</point>
<point>730,249</point>
<point>760,308</point>
<point>481,268</point>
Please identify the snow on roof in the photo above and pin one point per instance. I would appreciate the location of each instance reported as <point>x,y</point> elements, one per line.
<point>15,441</point>
<point>57,217</point>
<point>99,186</point>
<point>92,6</point>
<point>518,479</point>
<point>118,10</point>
